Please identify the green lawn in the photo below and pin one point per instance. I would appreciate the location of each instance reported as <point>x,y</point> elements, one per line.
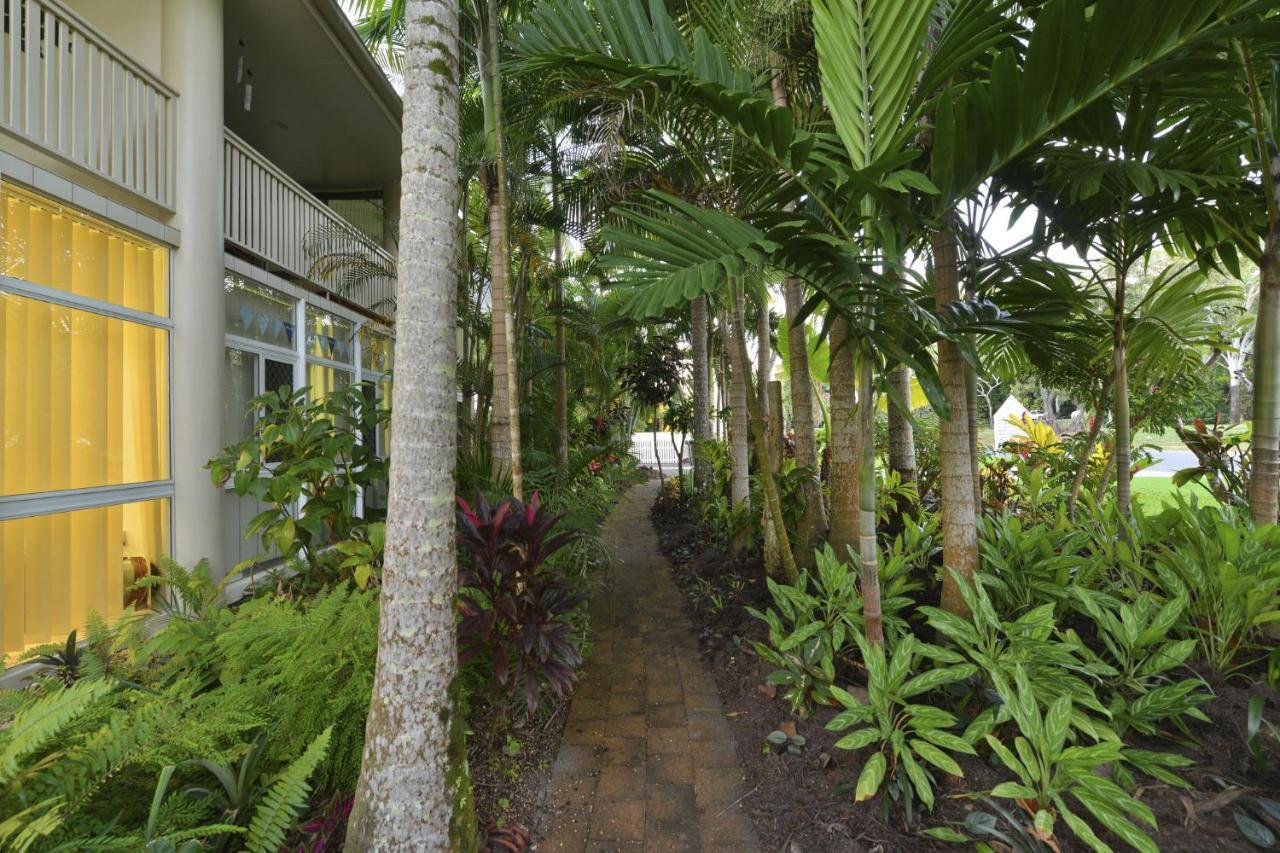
<point>1168,439</point>
<point>1150,491</point>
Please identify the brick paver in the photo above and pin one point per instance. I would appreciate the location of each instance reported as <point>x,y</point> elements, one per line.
<point>648,761</point>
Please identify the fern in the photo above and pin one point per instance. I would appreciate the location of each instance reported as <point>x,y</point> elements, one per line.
<point>32,824</point>
<point>38,724</point>
<point>302,670</point>
<point>82,771</point>
<point>275,816</point>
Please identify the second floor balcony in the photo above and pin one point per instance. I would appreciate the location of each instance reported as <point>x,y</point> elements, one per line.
<point>272,217</point>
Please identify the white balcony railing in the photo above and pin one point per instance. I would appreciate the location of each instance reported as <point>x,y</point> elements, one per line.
<point>66,89</point>
<point>271,216</point>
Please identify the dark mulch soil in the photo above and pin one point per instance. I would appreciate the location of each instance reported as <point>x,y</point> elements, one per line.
<point>510,762</point>
<point>805,803</point>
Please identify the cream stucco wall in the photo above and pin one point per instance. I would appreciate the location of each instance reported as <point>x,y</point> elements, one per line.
<point>134,26</point>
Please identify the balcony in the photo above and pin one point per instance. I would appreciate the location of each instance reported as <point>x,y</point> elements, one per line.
<point>67,90</point>
<point>272,217</point>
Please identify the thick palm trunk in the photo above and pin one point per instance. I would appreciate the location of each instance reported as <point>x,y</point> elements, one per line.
<point>504,426</point>
<point>902,440</point>
<point>413,789</point>
<point>868,550</point>
<point>701,393</point>
<point>739,417</point>
<point>1120,387</point>
<point>975,456</point>
<point>1265,478</point>
<point>842,442</point>
<point>813,521</point>
<point>959,509</point>
<point>772,501</point>
<point>1050,406</point>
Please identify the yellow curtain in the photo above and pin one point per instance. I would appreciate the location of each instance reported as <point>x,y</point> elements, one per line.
<point>325,380</point>
<point>84,403</point>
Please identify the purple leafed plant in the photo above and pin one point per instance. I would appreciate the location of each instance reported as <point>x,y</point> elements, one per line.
<point>327,829</point>
<point>515,608</point>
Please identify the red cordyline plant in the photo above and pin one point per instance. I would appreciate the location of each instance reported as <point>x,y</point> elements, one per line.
<point>515,609</point>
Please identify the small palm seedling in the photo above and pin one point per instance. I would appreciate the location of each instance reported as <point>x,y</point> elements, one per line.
<point>65,662</point>
<point>906,735</point>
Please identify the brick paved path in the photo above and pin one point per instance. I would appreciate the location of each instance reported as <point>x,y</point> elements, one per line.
<point>647,761</point>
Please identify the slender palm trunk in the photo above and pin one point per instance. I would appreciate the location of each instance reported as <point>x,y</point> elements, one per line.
<point>1265,478</point>
<point>764,369</point>
<point>772,501</point>
<point>842,442</point>
<point>868,550</point>
<point>414,789</point>
<point>764,357</point>
<point>813,521</point>
<point>1082,469</point>
<point>1120,387</point>
<point>1235,393</point>
<point>701,393</point>
<point>959,509</point>
<point>504,426</point>
<point>739,416</point>
<point>902,440</point>
<point>772,552</point>
<point>562,363</point>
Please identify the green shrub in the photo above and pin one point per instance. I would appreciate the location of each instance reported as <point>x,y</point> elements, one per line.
<point>1227,569</point>
<point>906,733</point>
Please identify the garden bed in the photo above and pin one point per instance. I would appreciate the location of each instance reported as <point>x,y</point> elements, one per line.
<point>510,762</point>
<point>805,802</point>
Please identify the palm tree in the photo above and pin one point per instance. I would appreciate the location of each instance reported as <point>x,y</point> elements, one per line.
<point>811,196</point>
<point>413,787</point>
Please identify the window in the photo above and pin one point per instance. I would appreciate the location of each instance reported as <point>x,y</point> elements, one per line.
<point>59,567</point>
<point>84,410</point>
<point>261,354</point>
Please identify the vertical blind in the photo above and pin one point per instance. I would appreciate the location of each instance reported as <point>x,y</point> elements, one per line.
<point>84,405</point>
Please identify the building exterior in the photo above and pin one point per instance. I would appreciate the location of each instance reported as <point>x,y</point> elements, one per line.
<point>198,203</point>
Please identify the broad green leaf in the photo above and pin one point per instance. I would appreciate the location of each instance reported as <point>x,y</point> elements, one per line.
<point>936,757</point>
<point>1013,791</point>
<point>858,739</point>
<point>870,778</point>
<point>946,833</point>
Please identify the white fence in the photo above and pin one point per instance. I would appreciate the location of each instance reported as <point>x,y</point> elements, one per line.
<point>650,447</point>
<point>65,88</point>
<point>268,214</point>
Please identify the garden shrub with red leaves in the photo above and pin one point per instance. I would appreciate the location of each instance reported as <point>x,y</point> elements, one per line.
<point>515,609</point>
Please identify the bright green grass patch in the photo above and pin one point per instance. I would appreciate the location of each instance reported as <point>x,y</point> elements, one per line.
<point>1153,491</point>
